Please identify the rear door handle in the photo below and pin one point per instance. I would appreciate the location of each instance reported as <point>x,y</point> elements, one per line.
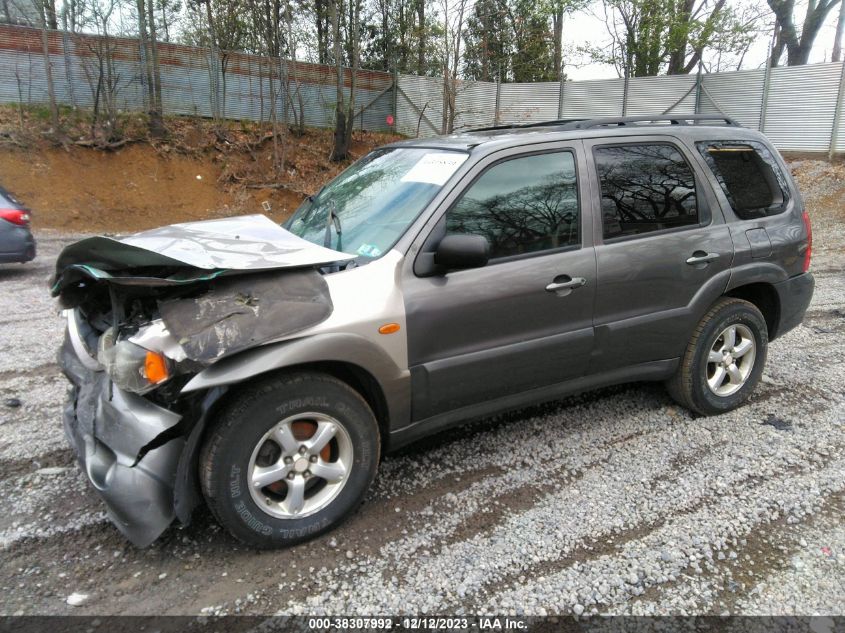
<point>700,257</point>
<point>572,284</point>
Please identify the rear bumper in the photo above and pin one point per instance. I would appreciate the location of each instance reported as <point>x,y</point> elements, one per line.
<point>795,295</point>
<point>107,428</point>
<point>17,245</point>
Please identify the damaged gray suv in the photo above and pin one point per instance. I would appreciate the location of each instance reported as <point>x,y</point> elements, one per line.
<point>264,370</point>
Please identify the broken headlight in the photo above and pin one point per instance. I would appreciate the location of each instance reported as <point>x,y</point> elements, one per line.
<point>130,366</point>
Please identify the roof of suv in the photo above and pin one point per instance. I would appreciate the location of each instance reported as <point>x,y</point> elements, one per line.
<point>499,137</point>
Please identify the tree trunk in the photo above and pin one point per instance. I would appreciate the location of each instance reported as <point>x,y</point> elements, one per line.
<point>355,36</point>
<point>341,148</point>
<point>50,15</point>
<point>164,21</point>
<point>798,48</point>
<point>213,59</point>
<point>557,20</point>
<point>154,54</point>
<point>321,36</point>
<point>837,40</point>
<point>154,117</point>
<point>678,48</point>
<point>453,79</point>
<point>385,35</point>
<point>48,70</point>
<point>422,36</point>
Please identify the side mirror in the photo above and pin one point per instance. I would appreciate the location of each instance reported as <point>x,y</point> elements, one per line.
<point>457,252</point>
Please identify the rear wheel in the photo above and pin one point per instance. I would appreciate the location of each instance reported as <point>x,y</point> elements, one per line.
<point>290,457</point>
<point>724,359</point>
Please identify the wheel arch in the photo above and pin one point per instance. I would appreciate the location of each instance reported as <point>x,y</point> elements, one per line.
<point>349,358</point>
<point>764,296</point>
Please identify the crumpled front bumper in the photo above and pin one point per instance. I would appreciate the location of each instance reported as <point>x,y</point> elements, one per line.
<point>107,428</point>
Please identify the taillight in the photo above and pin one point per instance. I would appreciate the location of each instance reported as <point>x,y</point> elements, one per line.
<point>15,216</point>
<point>808,254</point>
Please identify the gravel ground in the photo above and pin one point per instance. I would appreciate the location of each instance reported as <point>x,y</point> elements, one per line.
<point>616,501</point>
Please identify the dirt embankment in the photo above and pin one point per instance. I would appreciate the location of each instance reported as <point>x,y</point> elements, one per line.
<point>200,171</point>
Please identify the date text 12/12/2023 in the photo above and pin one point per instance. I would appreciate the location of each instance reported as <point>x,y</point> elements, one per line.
<point>481,623</point>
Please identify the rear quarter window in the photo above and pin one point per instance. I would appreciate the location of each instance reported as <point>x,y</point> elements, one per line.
<point>749,176</point>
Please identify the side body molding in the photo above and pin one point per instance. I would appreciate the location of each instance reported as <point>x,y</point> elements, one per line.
<point>349,349</point>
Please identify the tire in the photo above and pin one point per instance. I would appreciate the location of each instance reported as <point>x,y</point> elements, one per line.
<point>243,450</point>
<point>694,384</point>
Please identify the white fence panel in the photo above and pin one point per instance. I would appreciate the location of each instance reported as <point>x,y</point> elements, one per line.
<point>529,103</point>
<point>475,104</point>
<point>737,94</point>
<point>654,95</point>
<point>595,98</point>
<point>419,106</point>
<point>802,99</point>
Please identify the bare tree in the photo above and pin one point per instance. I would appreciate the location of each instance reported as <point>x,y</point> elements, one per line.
<point>672,36</point>
<point>150,67</point>
<point>101,73</point>
<point>48,8</point>
<point>294,95</point>
<point>339,151</point>
<point>798,45</point>
<point>453,26</point>
<point>354,36</point>
<point>837,40</point>
<point>48,71</point>
<point>345,108</point>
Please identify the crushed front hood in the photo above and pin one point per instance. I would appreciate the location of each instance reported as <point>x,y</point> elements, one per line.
<point>190,252</point>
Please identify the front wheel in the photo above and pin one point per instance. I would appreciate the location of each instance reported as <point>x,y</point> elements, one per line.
<point>724,359</point>
<point>289,458</point>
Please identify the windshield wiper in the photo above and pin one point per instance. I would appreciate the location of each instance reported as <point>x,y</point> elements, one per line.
<point>333,219</point>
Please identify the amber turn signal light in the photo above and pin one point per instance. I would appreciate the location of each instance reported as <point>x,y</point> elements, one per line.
<point>155,368</point>
<point>388,328</point>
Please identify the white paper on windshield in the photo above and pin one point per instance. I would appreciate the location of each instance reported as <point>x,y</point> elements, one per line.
<point>435,168</point>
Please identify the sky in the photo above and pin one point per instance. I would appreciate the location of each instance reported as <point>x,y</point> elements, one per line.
<point>587,28</point>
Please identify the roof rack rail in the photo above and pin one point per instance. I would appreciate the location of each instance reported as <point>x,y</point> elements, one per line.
<point>682,119</point>
<point>620,121</point>
<point>519,126</point>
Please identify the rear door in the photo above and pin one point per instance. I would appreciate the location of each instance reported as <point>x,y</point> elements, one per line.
<point>663,250</point>
<point>523,321</point>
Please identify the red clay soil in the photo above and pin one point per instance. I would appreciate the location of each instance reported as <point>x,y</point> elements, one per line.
<point>196,174</point>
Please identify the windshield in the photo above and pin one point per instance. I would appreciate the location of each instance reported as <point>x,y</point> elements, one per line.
<point>369,206</point>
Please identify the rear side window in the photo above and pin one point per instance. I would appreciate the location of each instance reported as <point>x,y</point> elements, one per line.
<point>748,174</point>
<point>522,205</point>
<point>645,188</point>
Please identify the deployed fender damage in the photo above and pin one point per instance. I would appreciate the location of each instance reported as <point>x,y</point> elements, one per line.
<point>187,294</point>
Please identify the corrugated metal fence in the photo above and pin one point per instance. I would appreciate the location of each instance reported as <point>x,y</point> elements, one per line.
<point>795,106</point>
<point>193,81</point>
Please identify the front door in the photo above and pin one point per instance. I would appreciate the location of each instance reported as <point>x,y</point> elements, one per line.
<point>523,321</point>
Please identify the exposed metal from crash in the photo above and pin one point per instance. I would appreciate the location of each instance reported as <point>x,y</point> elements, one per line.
<point>185,296</point>
<point>238,313</point>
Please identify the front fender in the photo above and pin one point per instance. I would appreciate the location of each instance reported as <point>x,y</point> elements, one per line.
<point>335,347</point>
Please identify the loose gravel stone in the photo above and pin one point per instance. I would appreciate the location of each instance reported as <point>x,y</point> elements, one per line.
<point>617,501</point>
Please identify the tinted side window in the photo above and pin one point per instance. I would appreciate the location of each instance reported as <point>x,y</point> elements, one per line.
<point>522,205</point>
<point>749,176</point>
<point>645,188</point>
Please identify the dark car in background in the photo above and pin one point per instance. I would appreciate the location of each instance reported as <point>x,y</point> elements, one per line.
<point>17,245</point>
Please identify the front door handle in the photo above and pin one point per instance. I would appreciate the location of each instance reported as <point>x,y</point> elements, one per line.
<point>572,284</point>
<point>700,257</point>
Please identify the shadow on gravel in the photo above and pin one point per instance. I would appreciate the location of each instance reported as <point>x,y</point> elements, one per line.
<point>476,427</point>
<point>14,271</point>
